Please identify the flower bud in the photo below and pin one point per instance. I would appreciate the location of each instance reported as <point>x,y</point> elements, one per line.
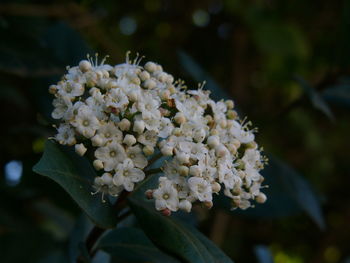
<point>96,140</point>
<point>167,150</point>
<point>223,123</point>
<point>213,141</point>
<point>236,143</point>
<point>183,157</point>
<point>185,205</point>
<point>261,198</point>
<point>53,89</point>
<point>98,165</point>
<point>149,194</point>
<point>80,149</point>
<point>231,114</point>
<point>166,212</point>
<point>150,84</point>
<point>221,150</point>
<point>214,132</point>
<point>148,150</point>
<point>180,118</point>
<point>183,170</point>
<point>172,89</point>
<point>165,94</point>
<point>139,126</point>
<point>216,187</point>
<point>199,135</point>
<point>150,66</point>
<point>208,204</point>
<point>195,170</point>
<point>230,104</point>
<point>232,148</point>
<point>177,132</point>
<point>124,124</point>
<point>135,80</point>
<point>133,95</point>
<point>84,65</point>
<point>129,139</point>
<point>144,75</point>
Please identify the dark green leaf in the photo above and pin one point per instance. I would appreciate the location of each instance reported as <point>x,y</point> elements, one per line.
<point>288,194</point>
<point>339,95</point>
<point>171,234</point>
<point>75,175</point>
<point>316,99</point>
<point>78,235</point>
<point>132,245</point>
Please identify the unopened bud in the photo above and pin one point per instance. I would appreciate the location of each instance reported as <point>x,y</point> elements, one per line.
<point>80,149</point>
<point>129,139</point>
<point>148,150</point>
<point>84,65</point>
<point>166,212</point>
<point>124,124</point>
<point>98,165</point>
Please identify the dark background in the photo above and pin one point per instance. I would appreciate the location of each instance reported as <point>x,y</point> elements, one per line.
<point>284,63</point>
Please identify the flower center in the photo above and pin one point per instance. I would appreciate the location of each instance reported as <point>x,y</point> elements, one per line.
<point>165,196</point>
<point>107,135</point>
<point>86,123</point>
<point>112,153</point>
<point>132,155</point>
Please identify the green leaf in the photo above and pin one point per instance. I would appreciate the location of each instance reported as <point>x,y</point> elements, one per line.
<point>297,187</point>
<point>316,99</point>
<point>79,234</point>
<point>132,245</point>
<point>288,194</point>
<point>169,233</point>
<point>75,175</point>
<point>338,94</point>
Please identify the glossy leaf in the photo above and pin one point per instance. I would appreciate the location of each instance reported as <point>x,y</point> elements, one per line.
<point>132,245</point>
<point>339,95</point>
<point>75,175</point>
<point>171,234</point>
<point>316,99</point>
<point>288,194</point>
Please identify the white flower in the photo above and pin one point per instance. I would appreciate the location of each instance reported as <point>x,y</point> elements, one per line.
<point>135,154</point>
<point>127,175</point>
<point>108,132</point>
<point>86,123</point>
<point>111,155</point>
<point>116,99</point>
<point>70,89</point>
<point>200,188</point>
<point>128,113</point>
<point>166,196</point>
<point>65,135</point>
<point>149,138</point>
<point>62,106</point>
<point>165,128</point>
<point>149,106</point>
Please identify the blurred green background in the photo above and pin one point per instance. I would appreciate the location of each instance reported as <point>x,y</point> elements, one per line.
<point>284,63</point>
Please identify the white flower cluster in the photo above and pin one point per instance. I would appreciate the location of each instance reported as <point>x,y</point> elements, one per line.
<point>124,114</point>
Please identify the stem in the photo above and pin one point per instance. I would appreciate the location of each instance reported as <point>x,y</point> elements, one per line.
<point>97,232</point>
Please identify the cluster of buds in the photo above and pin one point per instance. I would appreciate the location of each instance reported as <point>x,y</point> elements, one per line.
<point>126,114</point>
